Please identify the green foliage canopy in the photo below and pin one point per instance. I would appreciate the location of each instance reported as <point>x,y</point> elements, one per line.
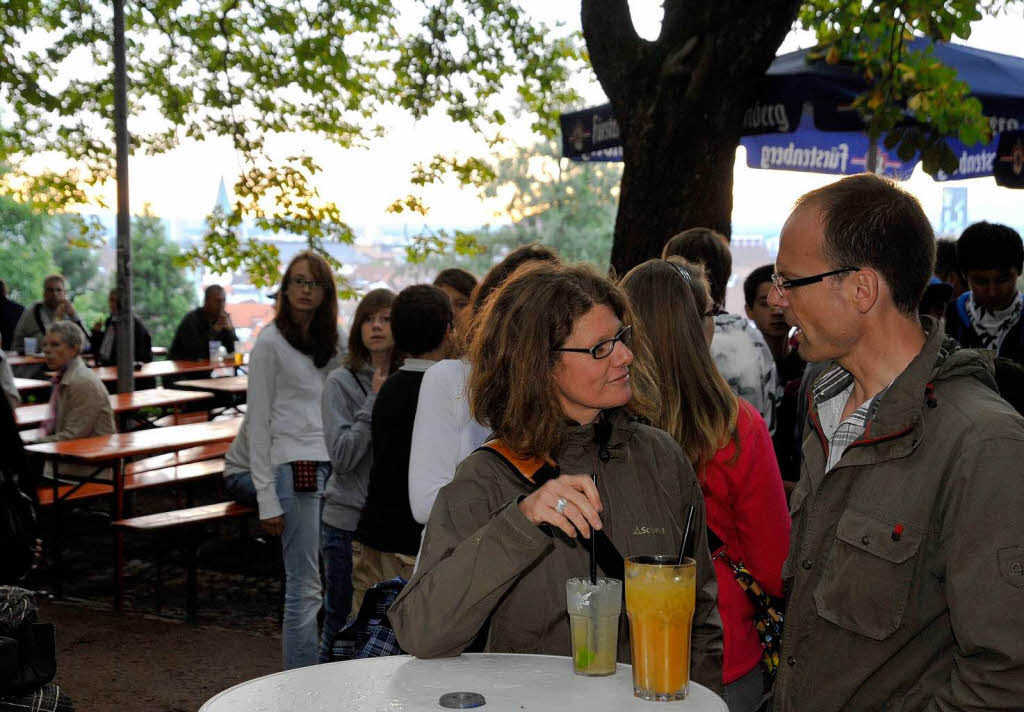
<point>873,36</point>
<point>248,71</point>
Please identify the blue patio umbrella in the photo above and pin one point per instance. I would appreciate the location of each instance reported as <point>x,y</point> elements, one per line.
<point>802,118</point>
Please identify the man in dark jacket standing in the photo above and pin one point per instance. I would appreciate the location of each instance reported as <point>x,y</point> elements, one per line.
<point>906,566</point>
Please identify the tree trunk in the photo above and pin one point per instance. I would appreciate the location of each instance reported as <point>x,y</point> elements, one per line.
<point>679,102</point>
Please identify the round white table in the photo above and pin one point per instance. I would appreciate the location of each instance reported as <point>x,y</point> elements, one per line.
<point>509,683</point>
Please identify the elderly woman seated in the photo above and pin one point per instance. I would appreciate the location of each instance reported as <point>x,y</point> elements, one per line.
<point>79,405</point>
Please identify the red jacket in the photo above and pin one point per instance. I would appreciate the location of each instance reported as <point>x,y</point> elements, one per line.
<point>746,508</point>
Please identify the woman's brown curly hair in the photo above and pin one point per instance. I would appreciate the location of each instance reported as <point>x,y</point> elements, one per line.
<point>511,386</point>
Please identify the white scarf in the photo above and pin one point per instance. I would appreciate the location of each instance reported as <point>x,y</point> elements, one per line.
<point>993,326</point>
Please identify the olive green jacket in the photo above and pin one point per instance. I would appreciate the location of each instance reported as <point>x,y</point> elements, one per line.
<point>906,564</point>
<point>481,557</point>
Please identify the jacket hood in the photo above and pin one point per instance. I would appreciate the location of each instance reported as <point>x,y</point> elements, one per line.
<point>617,419</point>
<point>940,359</point>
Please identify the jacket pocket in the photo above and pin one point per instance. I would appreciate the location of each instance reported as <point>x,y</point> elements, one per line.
<point>868,575</point>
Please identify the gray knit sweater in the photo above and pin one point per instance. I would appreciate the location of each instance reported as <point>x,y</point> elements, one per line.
<point>347,407</point>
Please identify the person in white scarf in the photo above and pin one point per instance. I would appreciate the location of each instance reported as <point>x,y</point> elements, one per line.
<point>988,315</point>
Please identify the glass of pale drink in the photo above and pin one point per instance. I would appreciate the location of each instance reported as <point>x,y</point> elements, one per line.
<point>594,624</point>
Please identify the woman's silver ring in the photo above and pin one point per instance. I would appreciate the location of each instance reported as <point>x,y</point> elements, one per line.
<point>560,505</point>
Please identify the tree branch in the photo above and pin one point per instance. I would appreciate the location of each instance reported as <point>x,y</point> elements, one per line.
<point>613,44</point>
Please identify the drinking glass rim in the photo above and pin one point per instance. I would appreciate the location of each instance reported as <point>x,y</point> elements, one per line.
<point>665,560</point>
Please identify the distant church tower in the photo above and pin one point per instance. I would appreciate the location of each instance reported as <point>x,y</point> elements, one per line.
<point>222,198</point>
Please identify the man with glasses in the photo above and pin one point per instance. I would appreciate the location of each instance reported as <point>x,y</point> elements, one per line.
<point>906,567</point>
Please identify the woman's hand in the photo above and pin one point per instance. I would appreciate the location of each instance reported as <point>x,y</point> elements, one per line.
<point>379,376</point>
<point>580,512</point>
<point>273,526</point>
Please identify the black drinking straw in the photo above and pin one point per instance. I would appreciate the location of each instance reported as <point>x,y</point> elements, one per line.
<point>593,545</point>
<point>686,533</point>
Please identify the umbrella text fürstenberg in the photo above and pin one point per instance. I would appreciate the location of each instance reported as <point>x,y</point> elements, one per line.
<point>834,159</point>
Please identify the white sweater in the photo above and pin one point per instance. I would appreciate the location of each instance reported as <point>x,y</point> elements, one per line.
<point>283,413</point>
<point>443,434</point>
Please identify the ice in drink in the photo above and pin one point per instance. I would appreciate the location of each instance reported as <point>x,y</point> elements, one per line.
<point>594,624</point>
<point>660,597</point>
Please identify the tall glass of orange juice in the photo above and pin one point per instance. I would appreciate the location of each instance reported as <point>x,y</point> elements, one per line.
<point>660,598</point>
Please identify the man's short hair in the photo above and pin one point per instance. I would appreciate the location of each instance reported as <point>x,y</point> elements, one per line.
<point>55,278</point>
<point>458,279</point>
<point>755,279</point>
<point>210,290</point>
<point>69,332</point>
<point>704,246</point>
<point>420,317</point>
<point>986,245</point>
<point>869,221</point>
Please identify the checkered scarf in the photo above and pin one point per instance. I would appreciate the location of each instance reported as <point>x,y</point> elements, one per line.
<point>993,326</point>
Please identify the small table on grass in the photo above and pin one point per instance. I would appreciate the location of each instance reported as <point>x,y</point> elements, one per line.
<point>509,683</point>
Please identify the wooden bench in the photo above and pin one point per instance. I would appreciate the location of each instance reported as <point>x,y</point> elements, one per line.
<point>181,457</point>
<point>164,477</point>
<point>85,490</point>
<point>193,516</point>
<point>167,476</point>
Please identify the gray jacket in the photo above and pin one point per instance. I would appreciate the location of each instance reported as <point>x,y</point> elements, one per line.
<point>347,407</point>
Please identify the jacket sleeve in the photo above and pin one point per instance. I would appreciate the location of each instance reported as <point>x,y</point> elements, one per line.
<point>707,641</point>
<point>7,383</point>
<point>472,555</point>
<point>262,367</point>
<point>346,416</point>
<point>228,338</point>
<point>983,532</point>
<point>435,443</point>
<point>759,505</point>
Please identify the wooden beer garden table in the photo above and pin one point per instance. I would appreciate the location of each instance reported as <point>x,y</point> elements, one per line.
<point>29,360</point>
<point>233,389</point>
<point>125,405</point>
<point>112,451</point>
<point>108,374</point>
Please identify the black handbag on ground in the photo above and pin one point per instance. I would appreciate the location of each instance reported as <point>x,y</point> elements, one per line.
<point>28,650</point>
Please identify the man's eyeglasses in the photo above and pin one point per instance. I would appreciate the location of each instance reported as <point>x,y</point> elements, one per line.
<point>782,284</point>
<point>603,349</point>
<point>311,283</point>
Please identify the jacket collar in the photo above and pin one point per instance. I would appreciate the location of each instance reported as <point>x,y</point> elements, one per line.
<point>617,419</point>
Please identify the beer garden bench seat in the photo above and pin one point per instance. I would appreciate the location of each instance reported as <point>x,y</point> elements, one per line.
<point>189,519</point>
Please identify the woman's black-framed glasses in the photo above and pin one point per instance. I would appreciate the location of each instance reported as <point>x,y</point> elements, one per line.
<point>603,349</point>
<point>782,284</point>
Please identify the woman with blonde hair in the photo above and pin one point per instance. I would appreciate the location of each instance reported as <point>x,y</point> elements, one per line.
<point>551,376</point>
<point>728,443</point>
<point>288,458</point>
